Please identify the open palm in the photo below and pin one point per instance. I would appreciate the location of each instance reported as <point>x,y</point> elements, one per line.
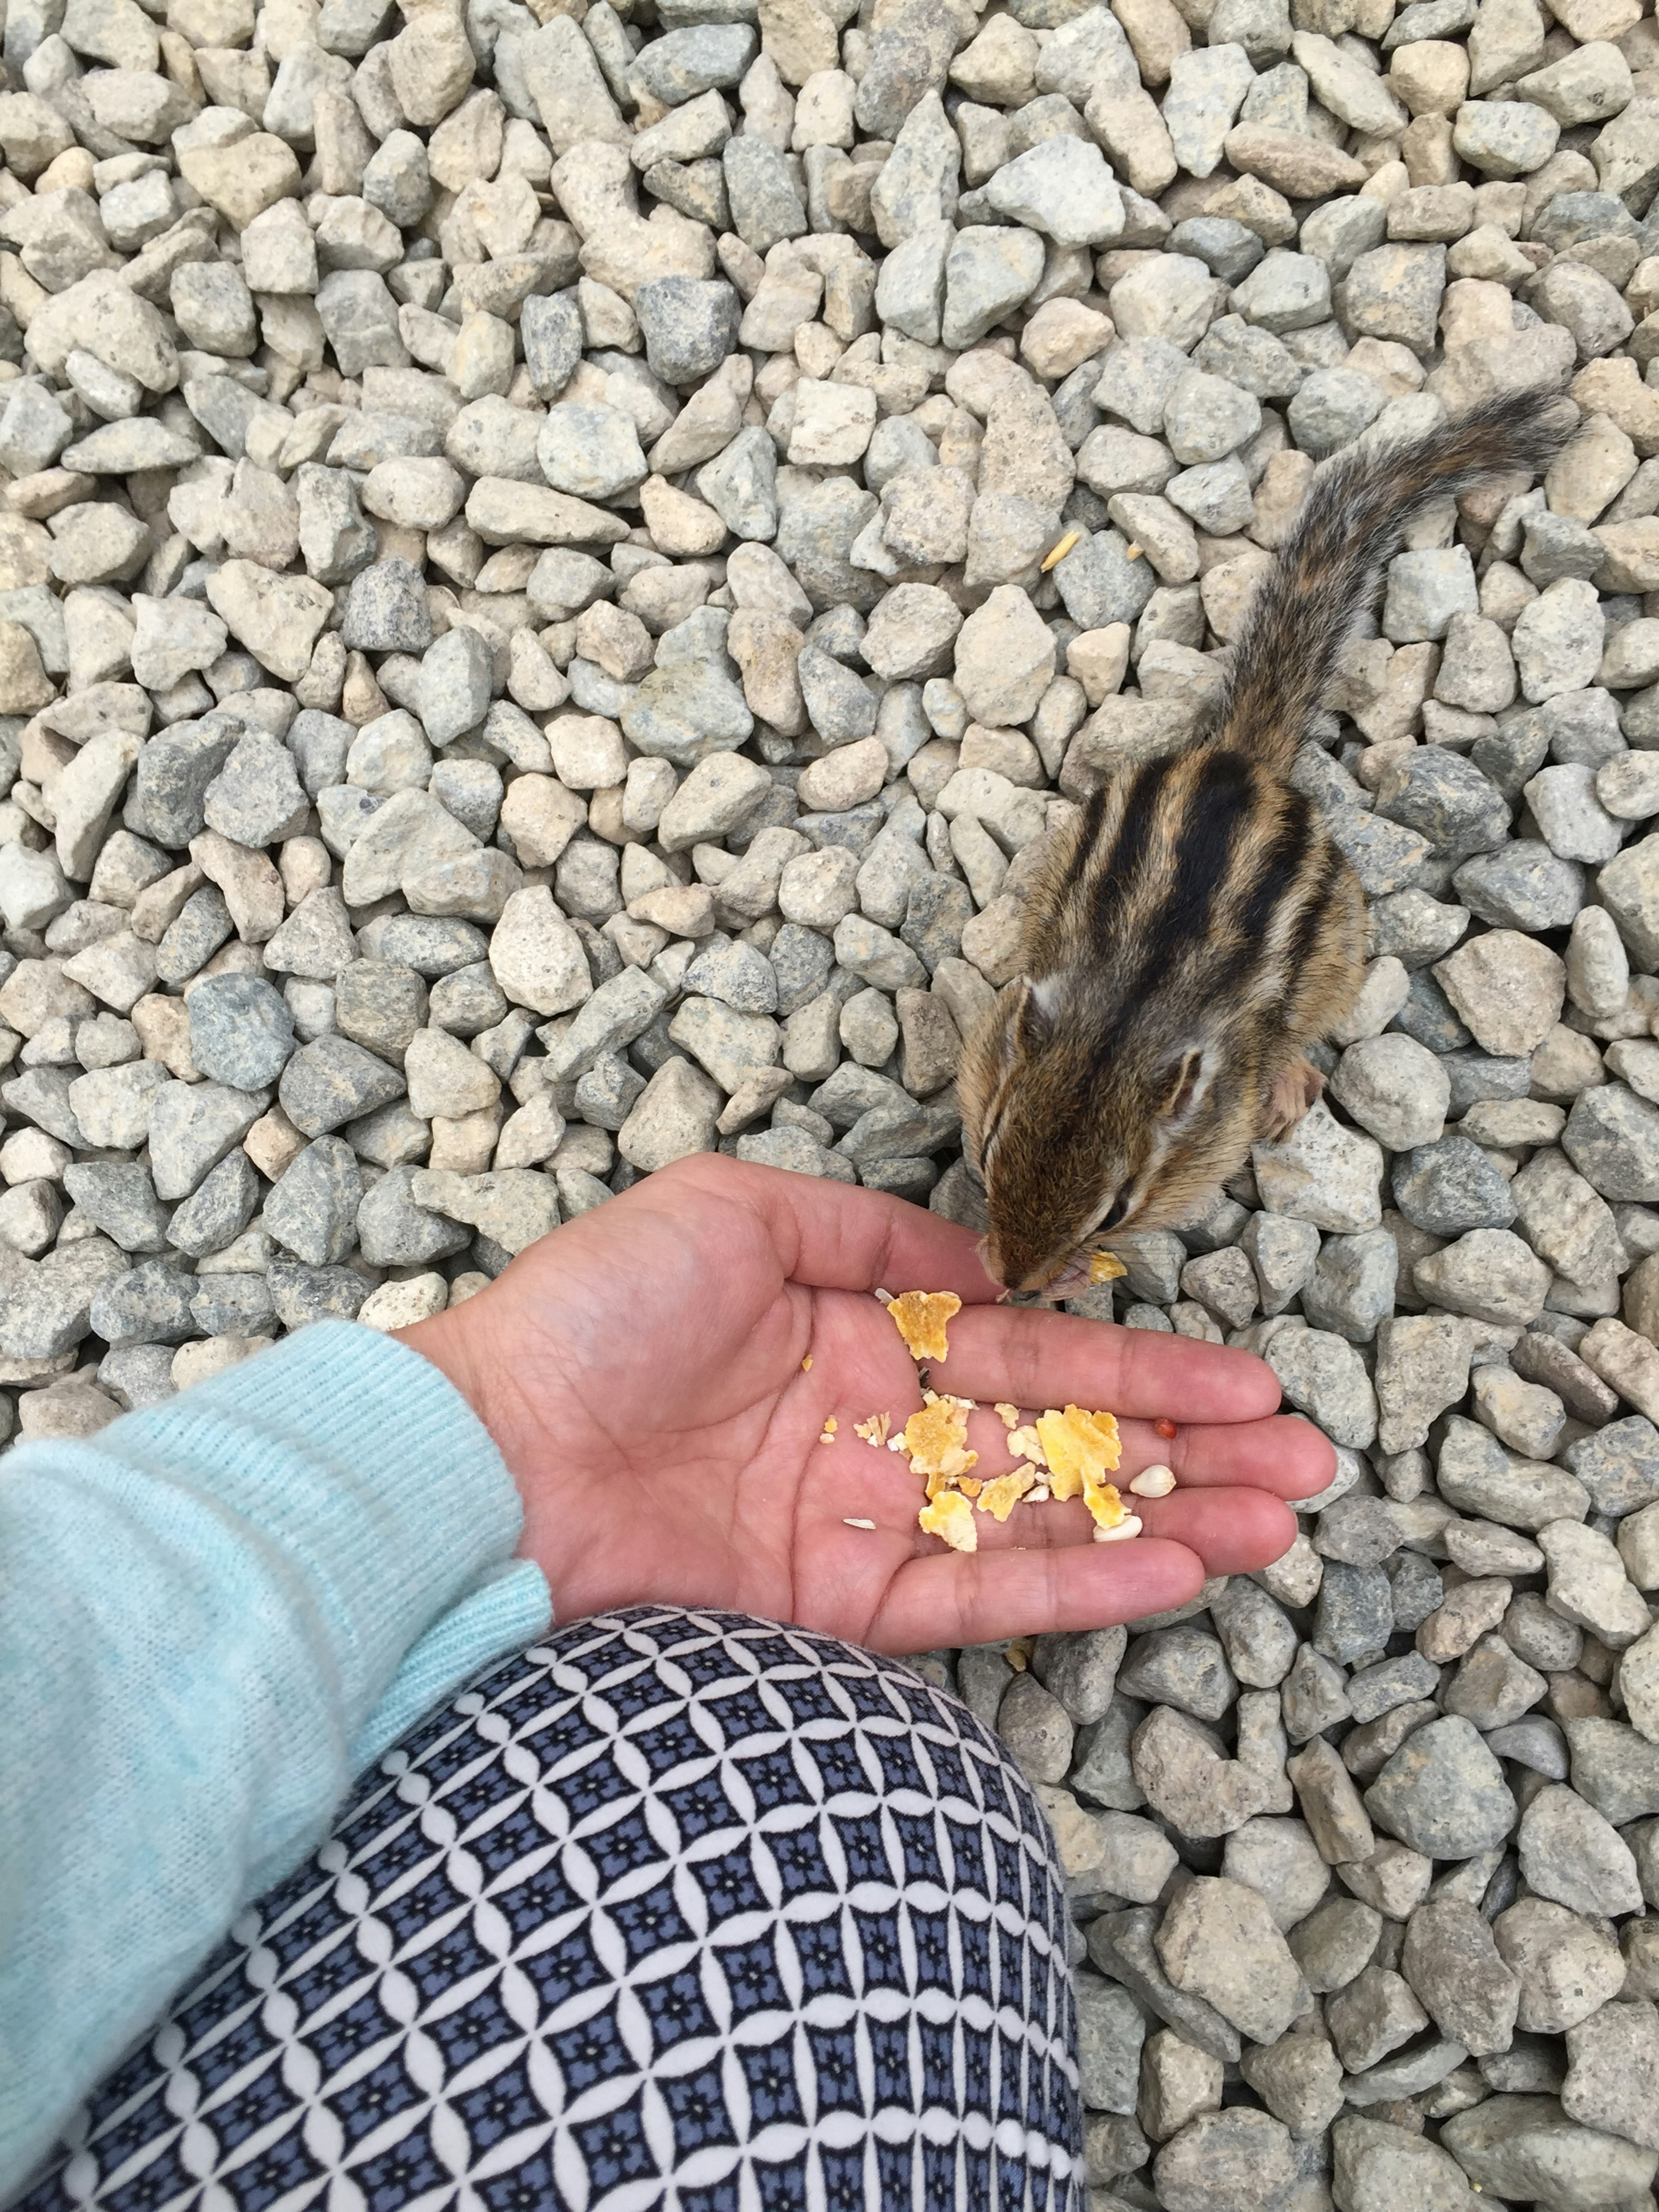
<point>659,1374</point>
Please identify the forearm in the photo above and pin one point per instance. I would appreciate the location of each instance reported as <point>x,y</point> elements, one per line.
<point>209,1615</point>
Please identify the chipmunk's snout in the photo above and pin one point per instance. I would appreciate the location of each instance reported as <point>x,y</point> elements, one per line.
<point>1020,1266</point>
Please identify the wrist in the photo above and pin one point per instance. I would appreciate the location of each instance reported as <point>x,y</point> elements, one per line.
<point>470,1346</point>
<point>446,1343</point>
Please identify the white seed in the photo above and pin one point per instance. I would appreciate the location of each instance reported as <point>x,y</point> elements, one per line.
<point>1154,1482</point>
<point>1124,1528</point>
<point>849,1523</point>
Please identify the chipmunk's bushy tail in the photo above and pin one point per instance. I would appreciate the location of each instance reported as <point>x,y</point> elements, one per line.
<point>1325,580</point>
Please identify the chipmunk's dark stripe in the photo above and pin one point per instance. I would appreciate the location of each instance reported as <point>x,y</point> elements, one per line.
<point>1316,915</point>
<point>1116,870</point>
<point>1279,865</point>
<point>1217,806</point>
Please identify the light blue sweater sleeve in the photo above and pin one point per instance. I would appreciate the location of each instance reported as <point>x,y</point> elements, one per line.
<point>212,1614</point>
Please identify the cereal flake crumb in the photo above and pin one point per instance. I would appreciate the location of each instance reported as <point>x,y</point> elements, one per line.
<point>1106,1509</point>
<point>1081,1447</point>
<point>998,1497</point>
<point>920,1317</point>
<point>807,1365</point>
<point>952,1517</point>
<point>1007,1414</point>
<point>875,1430</point>
<point>1105,1267</point>
<point>937,1438</point>
<point>847,1522</point>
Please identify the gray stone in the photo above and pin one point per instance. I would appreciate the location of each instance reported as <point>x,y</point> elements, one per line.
<point>241,1031</point>
<point>386,611</point>
<point>1526,2149</point>
<point>1238,2159</point>
<point>1444,1793</point>
<point>331,1081</point>
<point>312,1210</point>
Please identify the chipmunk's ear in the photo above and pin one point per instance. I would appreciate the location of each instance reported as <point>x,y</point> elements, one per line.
<point>1037,1009</point>
<point>1187,1078</point>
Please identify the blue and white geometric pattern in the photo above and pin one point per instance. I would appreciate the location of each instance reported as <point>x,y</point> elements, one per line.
<point>679,1911</point>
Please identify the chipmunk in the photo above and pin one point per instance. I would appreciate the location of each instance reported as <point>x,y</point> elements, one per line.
<point>1197,928</point>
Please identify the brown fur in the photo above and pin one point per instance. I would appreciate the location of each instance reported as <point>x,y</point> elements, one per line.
<point>1198,929</point>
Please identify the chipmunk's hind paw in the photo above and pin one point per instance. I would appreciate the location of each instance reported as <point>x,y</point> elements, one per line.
<point>1294,1089</point>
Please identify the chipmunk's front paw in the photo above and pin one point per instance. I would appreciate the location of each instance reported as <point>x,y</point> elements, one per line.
<point>1294,1089</point>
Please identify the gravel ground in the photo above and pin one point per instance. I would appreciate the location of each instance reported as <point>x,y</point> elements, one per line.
<point>526,651</point>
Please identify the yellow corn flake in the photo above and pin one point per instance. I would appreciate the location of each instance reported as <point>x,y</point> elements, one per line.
<point>952,1517</point>
<point>1105,1267</point>
<point>1080,1447</point>
<point>920,1317</point>
<point>1007,1414</point>
<point>1026,1443</point>
<point>1106,1509</point>
<point>875,1429</point>
<point>1060,550</point>
<point>807,1365</point>
<point>968,1487</point>
<point>1000,1498</point>
<point>937,1437</point>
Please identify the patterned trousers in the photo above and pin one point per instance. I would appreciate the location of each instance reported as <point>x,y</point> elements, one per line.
<point>680,1910</point>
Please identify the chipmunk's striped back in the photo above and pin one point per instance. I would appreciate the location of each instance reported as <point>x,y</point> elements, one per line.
<point>1197,928</point>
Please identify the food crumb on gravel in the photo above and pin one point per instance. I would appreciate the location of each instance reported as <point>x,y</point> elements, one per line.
<point>547,614</point>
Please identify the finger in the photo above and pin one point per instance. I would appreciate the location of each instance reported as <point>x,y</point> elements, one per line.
<point>1234,1532</point>
<point>1039,1358</point>
<point>974,1598</point>
<point>1283,1454</point>
<point>836,1235</point>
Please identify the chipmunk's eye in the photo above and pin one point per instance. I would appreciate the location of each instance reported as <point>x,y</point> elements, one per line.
<point>1110,1214</point>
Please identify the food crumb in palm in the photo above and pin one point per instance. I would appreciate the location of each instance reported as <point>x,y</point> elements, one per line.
<point>1106,1509</point>
<point>921,1318</point>
<point>937,1438</point>
<point>999,1497</point>
<point>807,1365</point>
<point>1007,1414</point>
<point>1164,1428</point>
<point>828,1436</point>
<point>1080,1447</point>
<point>875,1429</point>
<point>846,1523</point>
<point>952,1517</point>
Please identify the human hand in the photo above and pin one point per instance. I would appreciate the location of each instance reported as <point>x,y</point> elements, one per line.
<point>658,1372</point>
